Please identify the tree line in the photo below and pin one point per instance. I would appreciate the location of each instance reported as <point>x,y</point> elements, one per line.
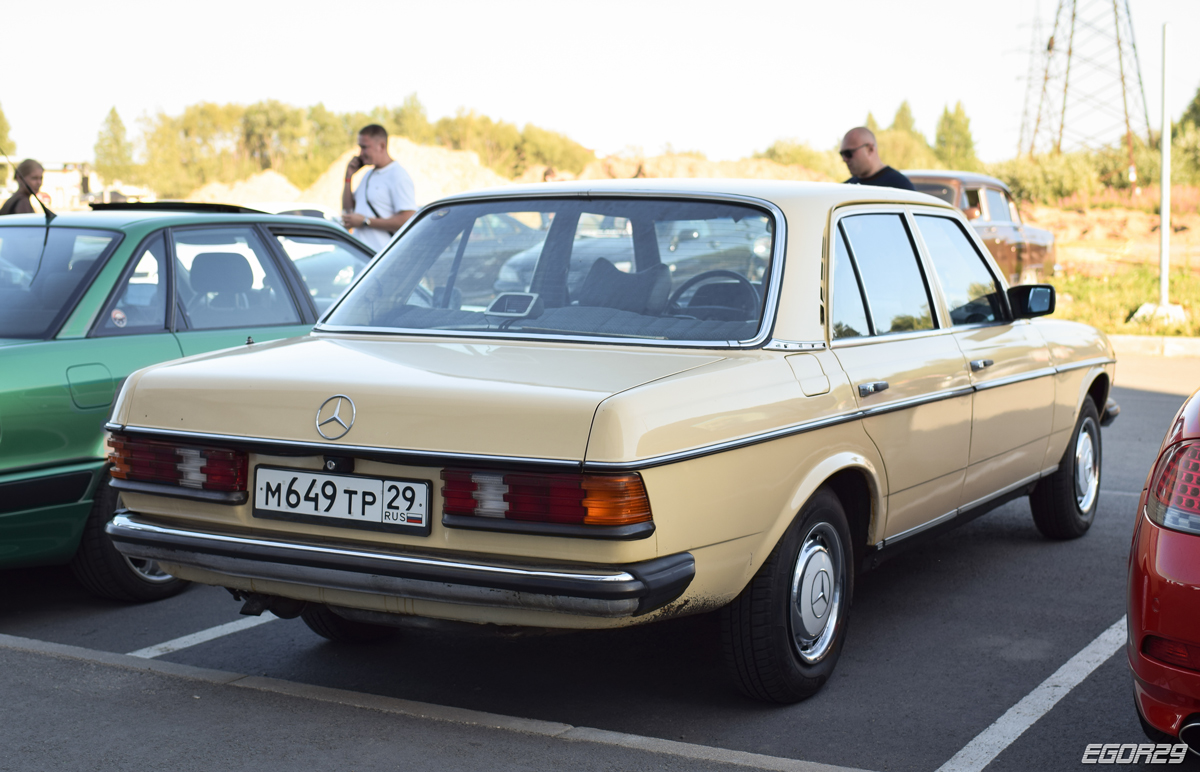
<point>209,142</point>
<point>1044,178</point>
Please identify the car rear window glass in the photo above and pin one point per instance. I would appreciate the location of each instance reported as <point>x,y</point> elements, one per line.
<point>972,295</point>
<point>849,314</point>
<point>639,268</point>
<point>895,289</point>
<point>38,285</point>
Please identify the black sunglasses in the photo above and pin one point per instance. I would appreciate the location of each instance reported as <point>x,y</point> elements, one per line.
<point>847,153</point>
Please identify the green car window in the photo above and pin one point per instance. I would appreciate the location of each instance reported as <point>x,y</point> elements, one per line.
<point>39,286</point>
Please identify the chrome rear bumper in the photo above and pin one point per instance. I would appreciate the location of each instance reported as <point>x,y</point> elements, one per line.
<point>602,591</point>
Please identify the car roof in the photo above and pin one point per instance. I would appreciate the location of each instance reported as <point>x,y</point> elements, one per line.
<point>969,178</point>
<point>823,194</point>
<point>119,219</point>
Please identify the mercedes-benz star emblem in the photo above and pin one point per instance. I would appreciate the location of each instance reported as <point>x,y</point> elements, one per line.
<point>820,594</point>
<point>335,417</point>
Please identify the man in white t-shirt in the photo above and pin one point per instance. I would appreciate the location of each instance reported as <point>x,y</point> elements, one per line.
<point>385,198</point>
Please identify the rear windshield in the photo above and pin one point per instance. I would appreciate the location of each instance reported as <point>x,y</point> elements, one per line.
<point>638,268</point>
<point>36,285</point>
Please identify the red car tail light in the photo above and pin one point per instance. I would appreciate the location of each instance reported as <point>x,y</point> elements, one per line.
<point>1183,655</point>
<point>163,463</point>
<point>1174,500</point>
<point>577,499</point>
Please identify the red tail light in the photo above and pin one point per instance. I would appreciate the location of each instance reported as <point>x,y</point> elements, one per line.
<point>209,469</point>
<point>580,499</point>
<point>1182,655</point>
<point>1175,489</point>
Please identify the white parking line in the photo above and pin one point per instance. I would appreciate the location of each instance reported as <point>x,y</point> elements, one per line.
<point>989,743</point>
<point>150,652</point>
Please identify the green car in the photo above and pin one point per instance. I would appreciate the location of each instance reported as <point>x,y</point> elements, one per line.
<point>96,295</point>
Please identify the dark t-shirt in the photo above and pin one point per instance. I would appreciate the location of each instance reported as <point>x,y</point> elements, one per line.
<point>887,177</point>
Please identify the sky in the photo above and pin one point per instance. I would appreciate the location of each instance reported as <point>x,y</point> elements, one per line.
<point>725,79</point>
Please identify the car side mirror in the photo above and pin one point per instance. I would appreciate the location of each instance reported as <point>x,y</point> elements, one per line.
<point>1030,300</point>
<point>972,213</point>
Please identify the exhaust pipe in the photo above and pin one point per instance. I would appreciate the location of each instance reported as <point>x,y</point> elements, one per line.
<point>1190,733</point>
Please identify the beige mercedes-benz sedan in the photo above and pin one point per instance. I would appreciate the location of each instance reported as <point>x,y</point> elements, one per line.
<point>680,396</point>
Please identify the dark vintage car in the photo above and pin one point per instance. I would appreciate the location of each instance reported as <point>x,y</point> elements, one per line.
<point>1023,252</point>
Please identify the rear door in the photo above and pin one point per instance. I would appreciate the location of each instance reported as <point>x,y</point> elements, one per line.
<point>910,377</point>
<point>229,287</point>
<point>1009,363</point>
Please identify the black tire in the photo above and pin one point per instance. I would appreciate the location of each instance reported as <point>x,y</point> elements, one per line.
<point>105,572</point>
<point>1064,504</point>
<point>328,624</point>
<point>780,650</point>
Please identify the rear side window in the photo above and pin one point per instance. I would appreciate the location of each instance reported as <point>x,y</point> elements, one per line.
<point>997,205</point>
<point>327,264</point>
<point>849,313</point>
<point>225,277</point>
<point>887,262</point>
<point>972,295</point>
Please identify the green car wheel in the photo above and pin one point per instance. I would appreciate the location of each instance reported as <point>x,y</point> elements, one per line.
<point>105,572</point>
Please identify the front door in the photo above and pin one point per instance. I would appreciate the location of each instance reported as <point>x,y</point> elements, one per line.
<point>1009,363</point>
<point>910,378</point>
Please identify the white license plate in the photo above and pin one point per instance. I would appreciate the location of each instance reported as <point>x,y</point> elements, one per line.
<point>371,503</point>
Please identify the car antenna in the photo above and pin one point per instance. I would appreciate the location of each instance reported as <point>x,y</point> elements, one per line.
<point>45,210</point>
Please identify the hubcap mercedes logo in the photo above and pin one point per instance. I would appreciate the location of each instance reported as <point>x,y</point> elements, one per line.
<point>335,417</point>
<point>820,594</point>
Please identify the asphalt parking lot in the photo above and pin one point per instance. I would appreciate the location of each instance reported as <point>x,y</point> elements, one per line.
<point>943,641</point>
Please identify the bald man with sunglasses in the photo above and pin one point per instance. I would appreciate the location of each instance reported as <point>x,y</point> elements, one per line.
<point>862,159</point>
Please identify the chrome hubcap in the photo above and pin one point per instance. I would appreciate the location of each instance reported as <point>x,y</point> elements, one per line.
<point>1087,470</point>
<point>148,570</point>
<point>816,594</point>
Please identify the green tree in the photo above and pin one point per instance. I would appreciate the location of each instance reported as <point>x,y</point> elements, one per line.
<point>113,150</point>
<point>872,124</point>
<point>6,145</point>
<point>273,132</point>
<point>541,146</point>
<point>409,120</point>
<point>1192,113</point>
<point>497,143</point>
<point>792,152</point>
<point>954,146</point>
<point>903,121</point>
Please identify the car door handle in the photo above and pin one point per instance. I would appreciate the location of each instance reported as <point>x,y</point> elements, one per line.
<point>979,364</point>
<point>867,389</point>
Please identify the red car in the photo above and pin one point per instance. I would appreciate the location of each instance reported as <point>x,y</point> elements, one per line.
<point>1164,588</point>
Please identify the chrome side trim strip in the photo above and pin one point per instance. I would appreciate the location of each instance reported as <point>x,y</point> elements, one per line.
<point>1086,363</point>
<point>400,456</point>
<point>1003,491</point>
<point>917,529</point>
<point>1033,375</point>
<point>721,447</point>
<point>904,404</point>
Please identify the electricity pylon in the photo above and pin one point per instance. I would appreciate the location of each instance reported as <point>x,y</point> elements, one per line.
<point>1089,94</point>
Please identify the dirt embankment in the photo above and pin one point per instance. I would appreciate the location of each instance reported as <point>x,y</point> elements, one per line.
<point>1101,241</point>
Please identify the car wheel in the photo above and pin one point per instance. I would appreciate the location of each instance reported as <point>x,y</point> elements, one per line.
<point>1064,504</point>
<point>104,571</point>
<point>783,634</point>
<point>328,624</point>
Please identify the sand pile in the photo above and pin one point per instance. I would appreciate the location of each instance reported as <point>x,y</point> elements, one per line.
<point>436,172</point>
<point>264,186</point>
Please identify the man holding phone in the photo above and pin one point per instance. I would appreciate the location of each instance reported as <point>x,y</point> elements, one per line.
<point>385,198</point>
